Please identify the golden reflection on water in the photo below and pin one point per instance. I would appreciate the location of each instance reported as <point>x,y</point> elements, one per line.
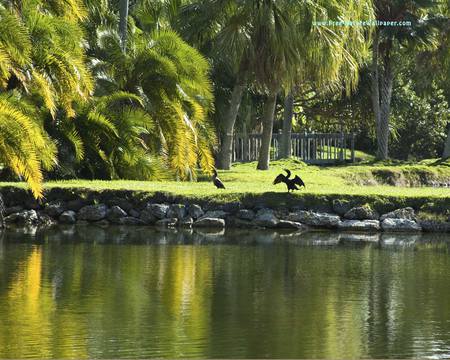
<point>81,300</point>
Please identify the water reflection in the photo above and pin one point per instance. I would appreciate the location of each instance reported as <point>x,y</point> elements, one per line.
<point>88,291</point>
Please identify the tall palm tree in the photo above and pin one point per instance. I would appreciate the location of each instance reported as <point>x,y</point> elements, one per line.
<point>387,41</point>
<point>42,65</point>
<point>171,79</point>
<point>291,51</point>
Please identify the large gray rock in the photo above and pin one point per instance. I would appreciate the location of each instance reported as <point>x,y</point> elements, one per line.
<point>286,224</point>
<point>265,218</point>
<point>310,218</point>
<point>176,211</point>
<point>115,214</point>
<point>404,213</point>
<point>147,217</point>
<point>209,222</point>
<point>158,210</point>
<point>124,204</point>
<point>68,217</point>
<point>215,214</point>
<point>245,214</point>
<point>12,210</point>
<point>435,226</point>
<point>340,207</point>
<point>359,225</point>
<point>54,209</point>
<point>92,212</point>
<point>400,225</point>
<point>75,205</point>
<point>25,217</point>
<point>195,211</point>
<point>361,213</point>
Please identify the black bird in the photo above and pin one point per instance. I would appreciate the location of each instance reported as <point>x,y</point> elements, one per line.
<point>292,184</point>
<point>216,181</point>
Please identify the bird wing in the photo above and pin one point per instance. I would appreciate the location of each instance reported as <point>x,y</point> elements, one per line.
<point>219,184</point>
<point>298,181</point>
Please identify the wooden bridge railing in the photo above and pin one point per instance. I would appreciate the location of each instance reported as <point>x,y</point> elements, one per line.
<point>314,148</point>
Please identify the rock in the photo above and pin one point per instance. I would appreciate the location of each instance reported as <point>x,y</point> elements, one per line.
<point>325,220</point>
<point>361,213</point>
<point>435,226</point>
<point>195,211</point>
<point>404,213</point>
<point>186,222</point>
<point>31,204</point>
<point>129,220</point>
<point>359,225</point>
<point>265,218</point>
<point>176,211</point>
<point>340,207</point>
<point>286,224</point>
<point>158,210</point>
<point>68,217</point>
<point>12,210</point>
<point>115,214</point>
<point>25,217</point>
<point>54,209</point>
<point>147,217</point>
<point>120,202</point>
<point>75,205</point>
<point>82,222</point>
<point>400,225</point>
<point>240,223</point>
<point>232,207</point>
<point>215,214</point>
<point>210,222</point>
<point>245,214</point>
<point>92,212</point>
<point>134,213</point>
<point>170,222</point>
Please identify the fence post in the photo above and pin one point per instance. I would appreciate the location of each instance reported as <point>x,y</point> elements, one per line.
<point>353,147</point>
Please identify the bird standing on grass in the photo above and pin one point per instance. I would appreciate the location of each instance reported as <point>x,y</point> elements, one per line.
<point>292,184</point>
<point>216,181</point>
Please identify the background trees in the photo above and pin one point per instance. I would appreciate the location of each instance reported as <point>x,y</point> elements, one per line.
<point>142,89</point>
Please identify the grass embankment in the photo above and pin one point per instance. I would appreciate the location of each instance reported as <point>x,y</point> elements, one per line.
<point>370,182</point>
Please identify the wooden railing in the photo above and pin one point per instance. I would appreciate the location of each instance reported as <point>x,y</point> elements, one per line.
<point>313,148</point>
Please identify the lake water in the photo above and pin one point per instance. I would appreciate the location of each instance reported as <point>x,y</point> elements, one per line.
<point>84,291</point>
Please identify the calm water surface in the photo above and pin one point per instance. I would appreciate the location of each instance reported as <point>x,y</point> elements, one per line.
<point>132,293</point>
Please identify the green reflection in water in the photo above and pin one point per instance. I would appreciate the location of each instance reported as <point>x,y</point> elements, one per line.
<point>132,292</point>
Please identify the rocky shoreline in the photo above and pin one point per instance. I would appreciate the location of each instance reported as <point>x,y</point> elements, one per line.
<point>118,208</point>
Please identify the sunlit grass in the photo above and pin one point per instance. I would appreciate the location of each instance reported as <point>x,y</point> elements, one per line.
<point>245,179</point>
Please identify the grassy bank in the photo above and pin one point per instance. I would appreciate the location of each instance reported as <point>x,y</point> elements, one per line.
<point>323,184</point>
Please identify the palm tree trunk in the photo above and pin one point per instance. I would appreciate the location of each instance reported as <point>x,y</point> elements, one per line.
<point>446,153</point>
<point>226,148</point>
<point>123,23</point>
<point>286,151</point>
<point>269,113</point>
<point>381,97</point>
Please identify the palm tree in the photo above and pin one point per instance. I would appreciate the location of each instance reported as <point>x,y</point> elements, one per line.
<point>171,79</point>
<point>222,30</point>
<point>41,66</point>
<point>386,43</point>
<point>291,52</point>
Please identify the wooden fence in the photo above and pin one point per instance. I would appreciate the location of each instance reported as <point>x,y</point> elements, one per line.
<point>312,148</point>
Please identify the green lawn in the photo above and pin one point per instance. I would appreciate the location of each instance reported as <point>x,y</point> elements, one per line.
<point>244,179</point>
